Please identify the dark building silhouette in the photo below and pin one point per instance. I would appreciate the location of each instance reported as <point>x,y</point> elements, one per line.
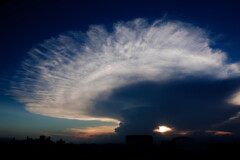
<point>139,141</point>
<point>42,138</point>
<point>139,145</point>
<point>183,144</point>
<point>60,142</point>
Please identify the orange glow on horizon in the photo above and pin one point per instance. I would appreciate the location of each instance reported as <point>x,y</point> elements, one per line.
<point>91,131</point>
<point>219,132</point>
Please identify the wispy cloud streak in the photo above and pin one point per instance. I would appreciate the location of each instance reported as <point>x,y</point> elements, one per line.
<point>64,75</point>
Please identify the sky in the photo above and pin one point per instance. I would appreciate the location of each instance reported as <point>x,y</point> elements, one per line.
<point>96,71</point>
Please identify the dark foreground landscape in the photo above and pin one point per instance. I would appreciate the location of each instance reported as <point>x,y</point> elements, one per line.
<point>136,147</point>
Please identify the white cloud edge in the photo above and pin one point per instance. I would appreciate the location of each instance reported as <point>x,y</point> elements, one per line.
<point>57,85</point>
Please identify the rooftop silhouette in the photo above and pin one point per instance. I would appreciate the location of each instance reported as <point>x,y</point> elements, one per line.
<point>136,147</point>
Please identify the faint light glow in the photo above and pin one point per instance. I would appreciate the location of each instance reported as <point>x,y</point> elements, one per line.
<point>90,132</point>
<point>235,99</point>
<point>236,116</point>
<point>218,132</point>
<point>184,132</point>
<point>163,129</point>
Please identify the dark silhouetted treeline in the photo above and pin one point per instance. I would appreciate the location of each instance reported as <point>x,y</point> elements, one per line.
<point>136,147</point>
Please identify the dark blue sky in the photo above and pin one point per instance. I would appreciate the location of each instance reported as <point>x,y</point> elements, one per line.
<point>24,24</point>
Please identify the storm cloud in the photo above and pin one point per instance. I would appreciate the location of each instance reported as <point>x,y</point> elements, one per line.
<point>140,73</point>
<point>186,105</point>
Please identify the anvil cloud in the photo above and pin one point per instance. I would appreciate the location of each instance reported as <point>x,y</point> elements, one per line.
<point>65,75</point>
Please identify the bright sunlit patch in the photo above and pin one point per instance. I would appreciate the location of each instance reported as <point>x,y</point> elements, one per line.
<point>163,129</point>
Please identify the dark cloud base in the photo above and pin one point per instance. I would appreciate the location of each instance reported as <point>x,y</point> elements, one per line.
<point>195,105</point>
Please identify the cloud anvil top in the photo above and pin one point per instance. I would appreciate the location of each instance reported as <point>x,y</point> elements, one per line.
<point>64,76</point>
